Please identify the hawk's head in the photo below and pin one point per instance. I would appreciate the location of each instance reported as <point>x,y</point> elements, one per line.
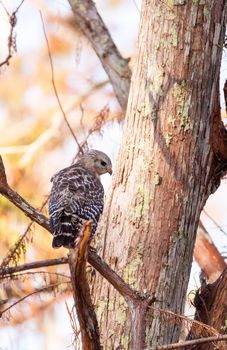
<point>97,162</point>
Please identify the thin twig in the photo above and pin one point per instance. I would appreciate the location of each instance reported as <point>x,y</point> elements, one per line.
<point>182,318</point>
<point>75,328</point>
<point>190,343</point>
<point>51,286</point>
<point>136,6</point>
<point>99,121</point>
<point>55,88</point>
<point>13,252</point>
<point>34,273</point>
<point>11,38</point>
<point>34,310</point>
<point>214,222</point>
<point>33,265</point>
<point>11,255</point>
<point>18,7</point>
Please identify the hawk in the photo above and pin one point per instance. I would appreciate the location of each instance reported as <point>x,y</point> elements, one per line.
<point>77,195</point>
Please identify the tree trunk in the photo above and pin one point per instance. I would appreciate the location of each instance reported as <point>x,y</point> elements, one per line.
<point>166,167</point>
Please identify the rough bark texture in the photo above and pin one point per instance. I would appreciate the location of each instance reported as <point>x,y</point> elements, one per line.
<point>166,167</point>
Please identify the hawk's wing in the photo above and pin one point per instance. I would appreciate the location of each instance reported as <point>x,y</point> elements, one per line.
<point>76,195</point>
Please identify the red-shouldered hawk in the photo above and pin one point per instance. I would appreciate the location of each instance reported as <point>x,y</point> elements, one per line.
<point>77,195</point>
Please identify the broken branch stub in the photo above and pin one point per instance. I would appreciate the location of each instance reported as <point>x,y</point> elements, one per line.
<point>81,292</point>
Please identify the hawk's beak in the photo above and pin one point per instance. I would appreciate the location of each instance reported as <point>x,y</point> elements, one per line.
<point>109,170</point>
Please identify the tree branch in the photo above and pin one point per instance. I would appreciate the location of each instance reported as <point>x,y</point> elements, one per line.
<point>93,27</point>
<point>138,312</point>
<point>20,202</point>
<point>189,343</point>
<point>112,277</point>
<point>46,288</point>
<point>207,255</point>
<point>28,210</point>
<point>33,265</point>
<point>81,293</point>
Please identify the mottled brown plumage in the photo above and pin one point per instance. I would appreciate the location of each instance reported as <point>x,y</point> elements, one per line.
<point>77,195</point>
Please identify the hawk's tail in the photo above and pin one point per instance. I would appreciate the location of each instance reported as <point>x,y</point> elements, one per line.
<point>67,234</point>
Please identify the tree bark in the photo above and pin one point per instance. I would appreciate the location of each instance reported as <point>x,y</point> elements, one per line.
<point>166,168</point>
<point>81,292</point>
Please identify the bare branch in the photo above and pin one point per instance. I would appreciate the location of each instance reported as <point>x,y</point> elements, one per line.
<point>33,265</point>
<point>178,319</point>
<point>112,277</point>
<point>81,293</point>
<point>15,251</point>
<point>189,343</point>
<point>93,27</point>
<point>215,222</point>
<point>207,255</point>
<point>28,210</point>
<point>34,310</point>
<point>47,288</point>
<point>74,326</point>
<point>45,273</point>
<point>20,202</point>
<point>3,179</point>
<point>138,312</point>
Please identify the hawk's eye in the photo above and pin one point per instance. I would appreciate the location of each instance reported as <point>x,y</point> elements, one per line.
<point>103,163</point>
